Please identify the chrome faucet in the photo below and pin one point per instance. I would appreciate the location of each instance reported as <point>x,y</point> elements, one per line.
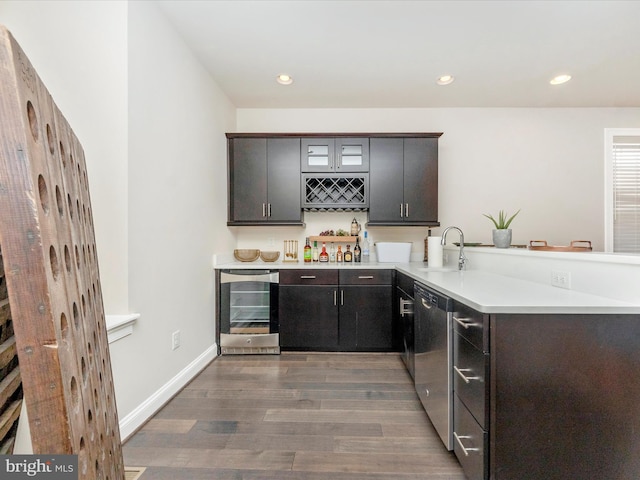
<point>462,260</point>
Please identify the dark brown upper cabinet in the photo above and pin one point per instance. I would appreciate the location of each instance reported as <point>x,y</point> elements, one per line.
<point>264,181</point>
<point>403,181</point>
<point>337,155</point>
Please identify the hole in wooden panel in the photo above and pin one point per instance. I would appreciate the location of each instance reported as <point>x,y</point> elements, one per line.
<point>78,210</point>
<point>55,267</point>
<point>82,457</point>
<point>76,316</point>
<point>33,120</point>
<point>77,257</point>
<point>79,175</point>
<point>90,352</point>
<point>71,158</point>
<point>75,394</point>
<point>44,193</point>
<point>70,205</point>
<point>59,201</point>
<point>50,140</point>
<point>64,327</point>
<point>83,367</point>
<point>84,306</point>
<point>67,259</point>
<point>62,156</point>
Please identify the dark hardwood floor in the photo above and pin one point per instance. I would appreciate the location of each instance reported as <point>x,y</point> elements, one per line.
<point>294,417</point>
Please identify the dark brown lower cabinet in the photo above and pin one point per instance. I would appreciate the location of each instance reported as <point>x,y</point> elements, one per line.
<point>561,396</point>
<point>336,310</point>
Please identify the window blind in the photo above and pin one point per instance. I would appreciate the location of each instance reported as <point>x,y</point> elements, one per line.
<point>626,194</point>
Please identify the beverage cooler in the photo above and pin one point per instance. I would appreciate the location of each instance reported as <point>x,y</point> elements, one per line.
<point>249,312</point>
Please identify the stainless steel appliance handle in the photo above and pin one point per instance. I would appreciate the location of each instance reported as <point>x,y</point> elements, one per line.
<point>465,450</point>
<point>426,304</point>
<point>272,277</point>
<point>405,307</point>
<point>464,322</point>
<point>466,379</point>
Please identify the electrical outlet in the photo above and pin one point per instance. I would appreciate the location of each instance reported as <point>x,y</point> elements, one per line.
<point>175,339</point>
<point>561,279</point>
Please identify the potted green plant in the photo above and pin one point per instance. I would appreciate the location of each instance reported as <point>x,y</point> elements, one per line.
<point>502,232</point>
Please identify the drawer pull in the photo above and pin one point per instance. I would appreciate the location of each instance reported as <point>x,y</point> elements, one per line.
<point>465,322</point>
<point>465,450</point>
<point>308,277</point>
<point>460,371</point>
<point>365,277</point>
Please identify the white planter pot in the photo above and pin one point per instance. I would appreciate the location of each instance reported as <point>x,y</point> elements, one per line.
<point>502,238</point>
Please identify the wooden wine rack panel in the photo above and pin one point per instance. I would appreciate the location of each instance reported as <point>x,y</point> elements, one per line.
<point>51,270</point>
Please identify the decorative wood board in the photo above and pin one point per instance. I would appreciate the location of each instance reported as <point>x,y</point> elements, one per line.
<point>51,270</point>
<point>10,384</point>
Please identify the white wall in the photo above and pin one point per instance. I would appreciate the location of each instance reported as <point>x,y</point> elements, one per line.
<point>152,123</point>
<point>79,49</point>
<point>548,162</point>
<point>177,203</point>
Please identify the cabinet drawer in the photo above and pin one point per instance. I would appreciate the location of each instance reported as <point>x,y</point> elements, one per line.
<point>471,325</point>
<point>309,277</point>
<point>469,442</point>
<point>366,277</point>
<point>469,377</point>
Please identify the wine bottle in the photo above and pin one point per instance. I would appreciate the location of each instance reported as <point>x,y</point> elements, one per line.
<point>307,251</point>
<point>324,256</point>
<point>314,252</point>
<point>357,252</point>
<point>348,255</point>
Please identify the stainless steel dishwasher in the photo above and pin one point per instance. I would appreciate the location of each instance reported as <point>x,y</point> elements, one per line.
<point>434,358</point>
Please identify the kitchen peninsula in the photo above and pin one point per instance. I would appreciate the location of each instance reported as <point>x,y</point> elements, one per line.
<point>555,366</point>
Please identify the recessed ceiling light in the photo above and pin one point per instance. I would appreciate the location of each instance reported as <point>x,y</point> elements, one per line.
<point>284,79</point>
<point>560,79</point>
<point>445,80</point>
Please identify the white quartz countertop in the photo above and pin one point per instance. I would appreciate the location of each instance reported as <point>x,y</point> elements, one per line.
<point>483,291</point>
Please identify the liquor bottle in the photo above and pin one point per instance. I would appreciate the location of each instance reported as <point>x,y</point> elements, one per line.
<point>332,253</point>
<point>339,254</point>
<point>324,256</point>
<point>307,252</point>
<point>314,253</point>
<point>348,255</point>
<point>365,247</point>
<point>357,253</point>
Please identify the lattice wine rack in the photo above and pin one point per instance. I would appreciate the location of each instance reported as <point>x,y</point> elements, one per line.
<point>335,192</point>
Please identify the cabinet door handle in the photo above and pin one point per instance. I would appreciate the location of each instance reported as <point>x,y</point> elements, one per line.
<point>401,210</point>
<point>465,322</point>
<point>308,276</point>
<point>264,210</point>
<point>268,209</point>
<point>365,277</point>
<point>335,297</point>
<point>341,297</point>
<point>460,371</point>
<point>425,303</point>
<point>406,210</point>
<point>465,450</point>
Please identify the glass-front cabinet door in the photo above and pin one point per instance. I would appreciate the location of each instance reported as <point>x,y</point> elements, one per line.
<point>335,154</point>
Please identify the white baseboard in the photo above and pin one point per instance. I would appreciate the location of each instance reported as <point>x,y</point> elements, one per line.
<point>134,420</point>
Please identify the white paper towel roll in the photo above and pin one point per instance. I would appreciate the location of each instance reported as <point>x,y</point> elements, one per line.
<point>434,256</point>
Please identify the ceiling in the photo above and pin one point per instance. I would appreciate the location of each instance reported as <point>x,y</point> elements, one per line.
<point>358,54</point>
